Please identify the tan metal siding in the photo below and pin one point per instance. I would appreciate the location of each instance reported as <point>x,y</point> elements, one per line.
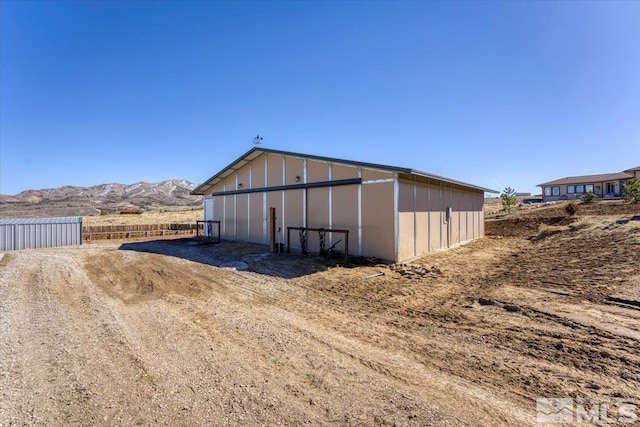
<point>256,218</point>
<point>482,218</point>
<point>378,220</point>
<point>406,221</point>
<point>228,229</point>
<point>218,207</point>
<point>477,209</point>
<point>230,182</point>
<point>294,168</point>
<point>422,220</point>
<point>274,170</point>
<point>317,171</point>
<point>463,206</point>
<point>257,173</point>
<point>452,227</point>
<point>343,172</point>
<point>423,229</point>
<point>369,174</point>
<point>218,187</point>
<point>317,214</point>
<point>435,217</point>
<point>459,209</point>
<point>274,200</point>
<point>293,213</point>
<point>470,199</point>
<point>242,217</point>
<point>345,215</point>
<point>218,210</point>
<point>243,177</point>
<point>478,215</point>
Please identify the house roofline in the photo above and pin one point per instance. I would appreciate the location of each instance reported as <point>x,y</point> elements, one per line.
<point>585,179</point>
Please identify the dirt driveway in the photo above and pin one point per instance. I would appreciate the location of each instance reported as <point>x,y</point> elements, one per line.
<point>157,333</point>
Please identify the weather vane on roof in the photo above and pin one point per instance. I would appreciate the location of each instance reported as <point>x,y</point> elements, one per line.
<point>257,140</point>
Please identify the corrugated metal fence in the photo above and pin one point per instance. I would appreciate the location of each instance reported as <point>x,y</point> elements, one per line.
<point>33,233</point>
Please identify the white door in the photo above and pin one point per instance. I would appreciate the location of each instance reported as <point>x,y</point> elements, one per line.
<point>209,206</point>
<point>208,209</point>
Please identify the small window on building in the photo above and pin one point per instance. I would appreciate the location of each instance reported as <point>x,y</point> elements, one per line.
<point>580,189</point>
<point>555,191</point>
<point>571,189</point>
<point>588,188</point>
<point>547,191</point>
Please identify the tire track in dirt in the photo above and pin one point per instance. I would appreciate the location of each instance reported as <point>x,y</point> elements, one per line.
<point>241,328</point>
<point>41,346</point>
<point>298,311</point>
<point>261,334</point>
<point>72,351</point>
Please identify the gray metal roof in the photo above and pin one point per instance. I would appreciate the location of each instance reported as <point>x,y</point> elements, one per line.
<point>205,187</point>
<point>66,220</point>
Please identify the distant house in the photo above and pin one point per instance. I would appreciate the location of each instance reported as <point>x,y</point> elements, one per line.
<point>608,185</point>
<point>634,171</point>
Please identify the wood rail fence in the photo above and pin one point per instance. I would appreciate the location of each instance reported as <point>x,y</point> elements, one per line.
<point>122,232</point>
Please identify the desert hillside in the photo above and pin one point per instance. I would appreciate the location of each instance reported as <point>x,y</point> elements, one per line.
<point>100,199</point>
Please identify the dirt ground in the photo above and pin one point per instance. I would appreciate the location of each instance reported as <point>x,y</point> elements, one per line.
<point>160,332</point>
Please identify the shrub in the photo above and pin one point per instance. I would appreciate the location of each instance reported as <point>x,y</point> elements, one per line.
<point>589,197</point>
<point>571,208</point>
<point>631,192</point>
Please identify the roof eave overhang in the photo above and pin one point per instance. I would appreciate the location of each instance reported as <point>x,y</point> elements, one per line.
<point>207,186</point>
<point>449,181</point>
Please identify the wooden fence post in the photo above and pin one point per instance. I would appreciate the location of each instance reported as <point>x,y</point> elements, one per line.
<point>272,229</point>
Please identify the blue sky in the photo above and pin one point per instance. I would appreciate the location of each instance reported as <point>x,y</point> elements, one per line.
<point>492,93</point>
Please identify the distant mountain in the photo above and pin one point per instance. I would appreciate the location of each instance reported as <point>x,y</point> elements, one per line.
<point>103,198</point>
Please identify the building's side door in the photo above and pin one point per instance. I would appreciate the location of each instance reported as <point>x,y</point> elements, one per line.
<point>610,189</point>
